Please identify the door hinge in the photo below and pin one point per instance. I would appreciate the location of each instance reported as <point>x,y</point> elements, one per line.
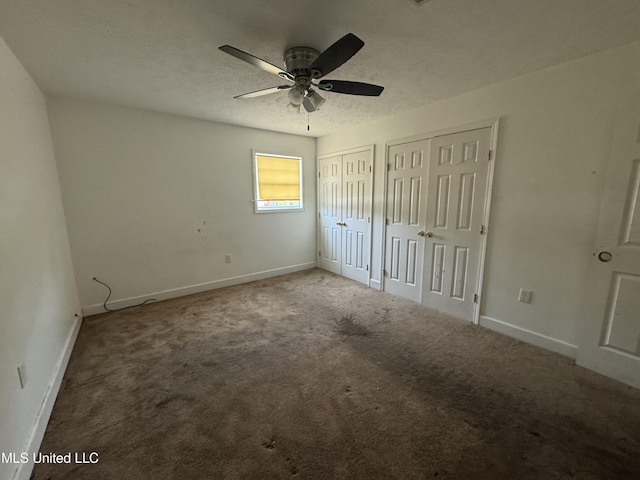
<point>386,221</point>
<point>319,253</point>
<point>368,219</point>
<point>475,298</point>
<point>370,168</point>
<point>388,166</point>
<point>481,229</point>
<point>367,268</point>
<point>385,273</point>
<point>490,154</point>
<point>318,174</point>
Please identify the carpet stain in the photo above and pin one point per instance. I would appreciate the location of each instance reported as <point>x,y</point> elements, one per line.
<point>348,326</point>
<point>270,444</point>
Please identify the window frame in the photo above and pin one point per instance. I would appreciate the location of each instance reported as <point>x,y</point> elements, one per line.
<point>256,185</point>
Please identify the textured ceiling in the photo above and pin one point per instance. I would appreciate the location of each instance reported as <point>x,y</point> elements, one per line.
<point>162,55</point>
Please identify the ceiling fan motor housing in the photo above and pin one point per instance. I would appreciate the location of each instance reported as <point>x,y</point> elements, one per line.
<point>298,59</point>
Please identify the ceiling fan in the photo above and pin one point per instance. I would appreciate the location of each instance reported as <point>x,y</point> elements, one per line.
<point>305,66</point>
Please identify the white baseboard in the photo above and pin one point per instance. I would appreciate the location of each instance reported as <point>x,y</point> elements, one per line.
<point>375,284</point>
<point>202,287</point>
<point>549,343</point>
<point>24,470</point>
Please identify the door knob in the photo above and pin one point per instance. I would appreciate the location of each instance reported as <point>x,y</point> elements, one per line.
<point>422,233</point>
<point>605,257</point>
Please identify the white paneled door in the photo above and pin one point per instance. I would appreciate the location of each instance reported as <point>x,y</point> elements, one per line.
<point>458,171</point>
<point>344,186</point>
<point>407,173</point>
<point>356,211</point>
<point>436,195</point>
<point>610,342</point>
<point>330,214</point>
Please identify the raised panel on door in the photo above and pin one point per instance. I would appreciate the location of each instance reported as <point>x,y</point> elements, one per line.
<point>610,341</point>
<point>330,214</point>
<point>459,165</point>
<point>405,217</point>
<point>356,188</point>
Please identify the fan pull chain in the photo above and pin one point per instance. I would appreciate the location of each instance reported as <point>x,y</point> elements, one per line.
<point>308,121</point>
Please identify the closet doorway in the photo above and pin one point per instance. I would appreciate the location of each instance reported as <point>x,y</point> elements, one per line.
<point>344,213</point>
<point>437,206</point>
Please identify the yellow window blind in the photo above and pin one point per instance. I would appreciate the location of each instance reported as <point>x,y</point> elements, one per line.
<point>278,178</point>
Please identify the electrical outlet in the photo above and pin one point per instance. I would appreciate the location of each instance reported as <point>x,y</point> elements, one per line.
<point>227,258</point>
<point>525,296</point>
<point>22,375</point>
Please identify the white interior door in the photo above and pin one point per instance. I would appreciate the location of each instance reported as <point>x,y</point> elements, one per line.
<point>458,172</point>
<point>356,207</point>
<point>610,343</point>
<point>330,210</point>
<point>405,218</point>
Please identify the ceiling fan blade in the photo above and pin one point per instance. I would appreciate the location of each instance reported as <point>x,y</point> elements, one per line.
<point>350,88</point>
<point>264,91</point>
<point>336,55</point>
<point>255,61</point>
<point>308,106</point>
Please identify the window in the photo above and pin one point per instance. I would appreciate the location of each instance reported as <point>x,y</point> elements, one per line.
<point>278,182</point>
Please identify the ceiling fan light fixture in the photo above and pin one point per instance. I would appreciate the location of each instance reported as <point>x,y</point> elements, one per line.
<point>293,107</point>
<point>316,99</point>
<point>296,96</point>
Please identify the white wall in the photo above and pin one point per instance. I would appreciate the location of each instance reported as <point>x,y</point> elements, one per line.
<point>38,298</point>
<point>137,186</point>
<point>555,134</point>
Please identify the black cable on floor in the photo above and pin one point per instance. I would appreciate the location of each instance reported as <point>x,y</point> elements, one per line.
<point>109,296</point>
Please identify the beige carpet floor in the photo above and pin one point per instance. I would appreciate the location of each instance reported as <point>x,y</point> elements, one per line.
<point>313,376</point>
